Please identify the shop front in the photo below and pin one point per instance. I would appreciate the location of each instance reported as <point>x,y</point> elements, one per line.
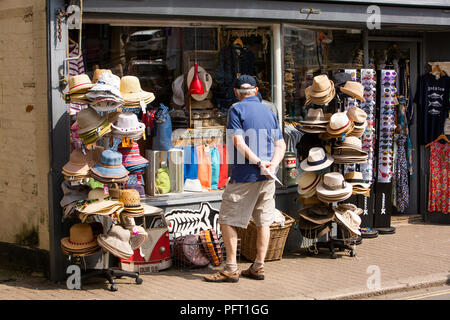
<point>171,135</point>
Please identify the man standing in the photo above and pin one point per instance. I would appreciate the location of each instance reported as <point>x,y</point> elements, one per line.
<point>257,144</point>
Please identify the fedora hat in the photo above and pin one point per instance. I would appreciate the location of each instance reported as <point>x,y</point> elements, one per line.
<point>321,91</point>
<point>81,238</point>
<point>128,125</point>
<point>205,78</point>
<point>88,119</point>
<point>317,160</point>
<point>117,242</point>
<point>315,116</point>
<point>110,165</point>
<point>334,186</point>
<point>79,84</point>
<point>350,220</point>
<point>341,78</point>
<point>356,179</point>
<point>178,91</point>
<point>317,214</point>
<point>307,182</point>
<point>98,73</point>
<point>354,89</point>
<point>352,144</point>
<point>339,123</point>
<point>358,117</point>
<point>131,91</point>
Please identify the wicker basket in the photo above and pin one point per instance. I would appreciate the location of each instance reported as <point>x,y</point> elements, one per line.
<point>278,236</point>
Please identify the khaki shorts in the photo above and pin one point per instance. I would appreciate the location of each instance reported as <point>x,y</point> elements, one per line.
<point>241,201</point>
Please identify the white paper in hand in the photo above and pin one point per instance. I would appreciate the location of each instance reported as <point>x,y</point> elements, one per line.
<point>265,171</point>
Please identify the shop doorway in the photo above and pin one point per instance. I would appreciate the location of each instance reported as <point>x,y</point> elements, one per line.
<point>385,53</point>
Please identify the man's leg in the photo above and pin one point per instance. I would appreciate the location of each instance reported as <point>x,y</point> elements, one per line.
<point>262,243</point>
<point>229,236</point>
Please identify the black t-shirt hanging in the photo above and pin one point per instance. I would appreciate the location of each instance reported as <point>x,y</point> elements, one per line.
<point>432,99</point>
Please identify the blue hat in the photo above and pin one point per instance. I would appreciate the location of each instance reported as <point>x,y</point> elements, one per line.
<point>244,79</point>
<point>110,165</point>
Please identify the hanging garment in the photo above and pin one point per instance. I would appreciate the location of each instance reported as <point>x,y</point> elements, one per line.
<point>402,175</point>
<point>215,168</point>
<point>204,166</point>
<point>438,189</point>
<point>190,162</point>
<point>76,67</point>
<point>223,174</point>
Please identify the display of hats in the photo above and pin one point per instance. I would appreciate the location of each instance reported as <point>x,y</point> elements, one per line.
<point>205,78</point>
<point>178,91</point>
<point>116,242</point>
<point>350,220</point>
<point>99,203</point>
<point>339,124</point>
<point>349,151</point>
<point>127,125</point>
<point>132,93</point>
<point>307,183</point>
<point>80,163</point>
<point>321,91</point>
<point>333,188</point>
<point>98,73</point>
<point>354,89</point>
<point>81,240</point>
<point>105,95</point>
<point>131,200</point>
<point>110,168</point>
<point>79,84</point>
<point>131,158</point>
<point>317,160</point>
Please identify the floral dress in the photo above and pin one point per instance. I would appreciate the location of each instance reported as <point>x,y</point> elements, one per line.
<point>439,192</point>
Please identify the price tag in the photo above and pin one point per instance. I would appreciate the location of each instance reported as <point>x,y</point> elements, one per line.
<point>127,142</point>
<point>106,190</point>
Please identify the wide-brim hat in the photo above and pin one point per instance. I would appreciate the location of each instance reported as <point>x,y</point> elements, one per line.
<point>72,194</point>
<point>350,220</point>
<point>354,89</point>
<point>127,123</point>
<point>311,129</point>
<point>317,214</point>
<point>80,83</point>
<point>356,179</point>
<point>315,116</point>
<point>117,242</point>
<point>79,98</point>
<point>110,165</point>
<point>81,238</point>
<point>88,119</point>
<point>107,82</point>
<point>317,160</point>
<point>104,105</point>
<point>307,182</point>
<point>333,185</point>
<point>342,207</point>
<point>205,78</point>
<point>104,179</point>
<point>131,91</point>
<point>350,143</point>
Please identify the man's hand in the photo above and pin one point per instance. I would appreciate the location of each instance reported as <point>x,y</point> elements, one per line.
<point>268,166</point>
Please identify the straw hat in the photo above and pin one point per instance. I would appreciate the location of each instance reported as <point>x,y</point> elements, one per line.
<point>98,203</point>
<point>110,165</point>
<point>79,84</point>
<point>354,89</point>
<point>307,182</point>
<point>131,200</point>
<point>138,235</point>
<point>205,78</point>
<point>81,238</point>
<point>178,91</point>
<point>356,179</point>
<point>117,242</point>
<point>358,117</point>
<point>98,73</point>
<point>352,144</point>
<point>88,119</point>
<point>317,214</point>
<point>321,91</point>
<point>317,160</point>
<point>315,116</point>
<point>333,187</point>
<point>128,125</point>
<point>131,91</point>
<point>350,220</point>
<point>339,123</point>
<point>79,98</point>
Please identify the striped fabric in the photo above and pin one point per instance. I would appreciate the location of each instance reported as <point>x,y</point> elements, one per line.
<point>76,67</point>
<point>131,158</point>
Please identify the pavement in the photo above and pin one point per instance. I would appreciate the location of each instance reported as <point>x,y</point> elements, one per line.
<point>416,256</point>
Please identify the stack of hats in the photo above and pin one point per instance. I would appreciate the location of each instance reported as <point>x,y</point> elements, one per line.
<point>314,221</point>
<point>321,92</point>
<point>349,151</point>
<point>354,89</point>
<point>359,119</point>
<point>80,163</point>
<point>79,85</point>
<point>132,93</point>
<point>81,241</point>
<point>132,159</point>
<point>131,200</point>
<point>105,94</point>
<point>315,121</point>
<point>339,125</point>
<point>72,194</point>
<point>138,235</point>
<point>98,203</point>
<point>110,168</point>
<point>348,215</point>
<point>117,242</point>
<point>317,160</point>
<point>333,188</point>
<point>92,126</point>
<point>360,186</point>
<point>127,125</point>
<point>307,183</point>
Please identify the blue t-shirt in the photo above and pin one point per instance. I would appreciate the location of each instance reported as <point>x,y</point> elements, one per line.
<point>260,129</point>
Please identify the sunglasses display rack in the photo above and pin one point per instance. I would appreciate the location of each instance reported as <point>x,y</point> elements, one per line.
<point>386,126</point>
<point>350,102</point>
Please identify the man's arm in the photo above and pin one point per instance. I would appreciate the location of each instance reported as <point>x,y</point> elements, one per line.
<point>243,149</point>
<point>278,155</point>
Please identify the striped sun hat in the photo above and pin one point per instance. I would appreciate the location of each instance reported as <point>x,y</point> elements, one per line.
<point>131,158</point>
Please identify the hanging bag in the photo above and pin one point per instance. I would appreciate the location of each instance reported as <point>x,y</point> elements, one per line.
<point>162,137</point>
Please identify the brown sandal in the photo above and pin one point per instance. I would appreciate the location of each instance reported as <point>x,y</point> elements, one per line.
<point>250,273</point>
<point>223,276</point>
